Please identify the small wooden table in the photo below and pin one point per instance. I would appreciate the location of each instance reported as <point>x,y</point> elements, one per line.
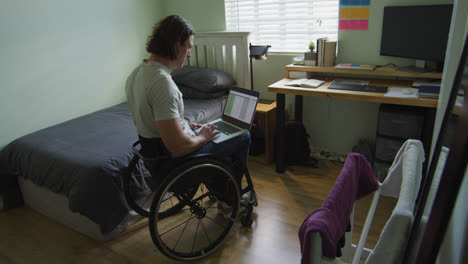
<point>265,120</point>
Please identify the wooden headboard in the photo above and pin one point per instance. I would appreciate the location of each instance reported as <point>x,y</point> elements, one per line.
<point>223,51</point>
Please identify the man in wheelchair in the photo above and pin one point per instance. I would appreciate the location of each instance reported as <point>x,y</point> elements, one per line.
<point>157,106</point>
<point>196,172</point>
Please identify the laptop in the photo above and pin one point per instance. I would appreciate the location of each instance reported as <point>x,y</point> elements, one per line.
<point>238,114</point>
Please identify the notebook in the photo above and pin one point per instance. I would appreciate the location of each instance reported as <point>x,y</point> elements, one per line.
<point>238,114</point>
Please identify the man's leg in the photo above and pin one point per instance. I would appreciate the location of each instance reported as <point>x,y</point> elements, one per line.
<point>237,149</point>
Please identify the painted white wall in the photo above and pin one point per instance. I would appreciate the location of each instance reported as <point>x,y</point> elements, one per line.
<point>61,58</point>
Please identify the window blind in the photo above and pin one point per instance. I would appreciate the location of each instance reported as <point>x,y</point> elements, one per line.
<point>286,25</point>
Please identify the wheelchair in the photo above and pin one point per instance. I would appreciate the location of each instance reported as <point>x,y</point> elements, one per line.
<point>192,202</point>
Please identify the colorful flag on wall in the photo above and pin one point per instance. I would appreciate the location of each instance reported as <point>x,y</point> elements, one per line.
<point>354,14</point>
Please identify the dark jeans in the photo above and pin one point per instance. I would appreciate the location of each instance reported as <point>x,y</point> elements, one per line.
<point>236,149</point>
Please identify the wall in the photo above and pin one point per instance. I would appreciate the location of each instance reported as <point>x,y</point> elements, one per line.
<point>63,58</point>
<point>204,15</point>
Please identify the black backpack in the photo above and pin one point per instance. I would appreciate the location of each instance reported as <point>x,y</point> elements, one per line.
<point>297,150</point>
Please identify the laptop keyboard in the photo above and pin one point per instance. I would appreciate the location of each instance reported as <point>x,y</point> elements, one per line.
<point>225,128</point>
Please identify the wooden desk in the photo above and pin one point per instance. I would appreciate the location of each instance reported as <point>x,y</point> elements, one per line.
<point>323,91</point>
<point>380,77</point>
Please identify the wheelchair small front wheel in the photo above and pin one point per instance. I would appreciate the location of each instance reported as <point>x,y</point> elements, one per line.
<point>210,197</point>
<point>246,220</point>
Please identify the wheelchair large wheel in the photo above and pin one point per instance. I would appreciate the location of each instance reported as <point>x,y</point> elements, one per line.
<point>210,198</point>
<point>138,190</point>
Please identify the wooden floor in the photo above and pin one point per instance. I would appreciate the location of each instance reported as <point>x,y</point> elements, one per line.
<point>284,201</point>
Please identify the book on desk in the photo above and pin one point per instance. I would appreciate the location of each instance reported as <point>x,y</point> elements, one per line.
<point>305,83</point>
<point>326,52</point>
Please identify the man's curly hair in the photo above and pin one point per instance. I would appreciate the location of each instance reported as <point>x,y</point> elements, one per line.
<point>166,34</point>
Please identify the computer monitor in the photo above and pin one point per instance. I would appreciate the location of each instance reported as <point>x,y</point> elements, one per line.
<point>417,32</point>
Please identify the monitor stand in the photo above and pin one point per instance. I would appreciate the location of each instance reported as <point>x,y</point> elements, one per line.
<point>412,69</point>
<point>422,66</point>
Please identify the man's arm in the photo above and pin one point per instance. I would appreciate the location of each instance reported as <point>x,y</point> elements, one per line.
<point>178,142</point>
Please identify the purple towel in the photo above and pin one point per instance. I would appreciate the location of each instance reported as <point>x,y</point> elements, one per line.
<point>356,180</point>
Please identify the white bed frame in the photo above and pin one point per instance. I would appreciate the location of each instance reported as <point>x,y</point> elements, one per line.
<point>223,51</point>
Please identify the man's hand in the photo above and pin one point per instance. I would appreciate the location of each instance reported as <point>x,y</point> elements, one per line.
<point>178,142</point>
<point>208,131</point>
<point>194,126</point>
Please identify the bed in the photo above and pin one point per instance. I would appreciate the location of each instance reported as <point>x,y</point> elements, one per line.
<point>72,171</point>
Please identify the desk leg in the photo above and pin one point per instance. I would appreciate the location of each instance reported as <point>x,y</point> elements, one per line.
<point>280,119</point>
<point>298,108</point>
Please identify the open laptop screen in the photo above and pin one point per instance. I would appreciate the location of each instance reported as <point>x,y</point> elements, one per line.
<point>240,107</point>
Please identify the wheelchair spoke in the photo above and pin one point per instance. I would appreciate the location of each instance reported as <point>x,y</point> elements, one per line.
<point>206,233</point>
<point>186,222</point>
<point>195,236</point>
<point>172,204</point>
<point>214,221</point>
<point>202,191</point>
<point>169,197</point>
<point>181,233</point>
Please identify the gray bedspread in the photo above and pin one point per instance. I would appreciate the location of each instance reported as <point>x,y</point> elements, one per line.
<point>83,158</point>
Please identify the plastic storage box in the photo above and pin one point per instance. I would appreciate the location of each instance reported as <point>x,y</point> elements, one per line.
<point>386,148</point>
<point>400,121</point>
<point>381,170</point>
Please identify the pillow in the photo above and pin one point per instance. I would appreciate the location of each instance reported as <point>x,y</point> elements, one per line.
<point>202,79</point>
<point>192,93</point>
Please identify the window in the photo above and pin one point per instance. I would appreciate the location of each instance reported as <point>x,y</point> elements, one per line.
<point>286,25</point>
